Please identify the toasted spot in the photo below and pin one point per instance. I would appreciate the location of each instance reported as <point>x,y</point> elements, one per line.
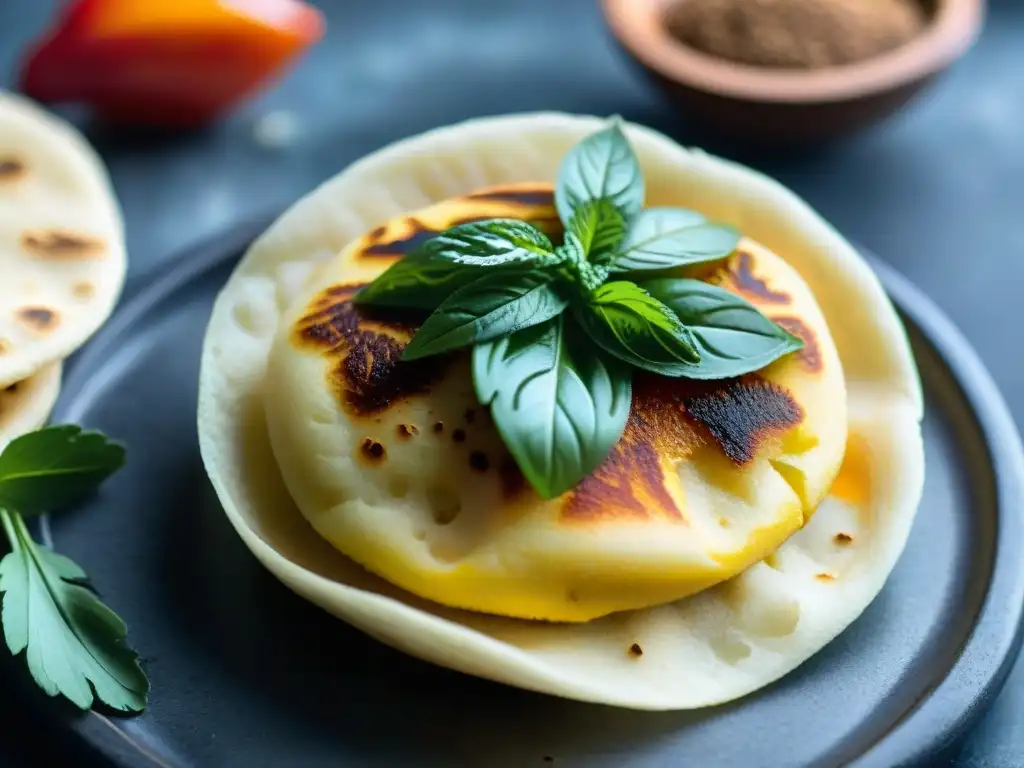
<point>84,290</point>
<point>11,388</point>
<point>61,244</point>
<point>406,234</point>
<point>373,451</point>
<point>825,577</point>
<point>522,195</point>
<point>438,428</point>
<point>459,435</point>
<point>369,374</point>
<point>410,233</point>
<point>405,431</point>
<point>743,415</point>
<point>669,419</point>
<point>630,483</point>
<point>533,203</point>
<point>11,169</point>
<point>39,319</point>
<point>810,355</point>
<point>741,270</point>
<point>842,539</point>
<point>478,461</point>
<point>635,650</point>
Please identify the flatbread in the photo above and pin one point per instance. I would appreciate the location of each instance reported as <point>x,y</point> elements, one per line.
<point>26,405</point>
<point>62,252</point>
<point>399,467</point>
<point>718,645</point>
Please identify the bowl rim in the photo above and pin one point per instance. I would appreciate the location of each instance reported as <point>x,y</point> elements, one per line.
<point>638,26</point>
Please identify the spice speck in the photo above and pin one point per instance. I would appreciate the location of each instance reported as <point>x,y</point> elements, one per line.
<point>373,450</point>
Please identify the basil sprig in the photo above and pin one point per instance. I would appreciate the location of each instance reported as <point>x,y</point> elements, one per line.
<point>558,382</point>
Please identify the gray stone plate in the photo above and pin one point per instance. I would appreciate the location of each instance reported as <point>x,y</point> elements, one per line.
<point>246,674</point>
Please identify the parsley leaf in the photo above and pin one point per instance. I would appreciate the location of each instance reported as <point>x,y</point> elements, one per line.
<point>74,645</point>
<point>70,638</point>
<point>51,468</point>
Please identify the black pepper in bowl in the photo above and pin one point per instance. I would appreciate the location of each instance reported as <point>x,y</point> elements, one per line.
<point>800,34</point>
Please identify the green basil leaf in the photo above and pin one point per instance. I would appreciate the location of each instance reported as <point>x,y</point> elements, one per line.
<point>494,305</point>
<point>599,228</point>
<point>492,243</point>
<point>732,335</point>
<point>602,166</point>
<point>559,404</point>
<point>418,281</point>
<point>637,328</point>
<point>451,260</point>
<point>660,238</point>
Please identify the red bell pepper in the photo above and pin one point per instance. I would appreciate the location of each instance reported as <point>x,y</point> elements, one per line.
<point>167,62</point>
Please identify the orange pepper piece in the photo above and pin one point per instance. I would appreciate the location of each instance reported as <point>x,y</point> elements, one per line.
<point>167,62</point>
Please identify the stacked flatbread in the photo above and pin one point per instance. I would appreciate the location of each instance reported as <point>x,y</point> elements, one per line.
<point>62,257</point>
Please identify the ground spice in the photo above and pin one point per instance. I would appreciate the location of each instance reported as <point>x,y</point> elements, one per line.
<point>796,33</point>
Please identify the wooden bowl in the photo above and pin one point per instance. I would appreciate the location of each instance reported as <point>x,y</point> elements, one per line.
<point>785,105</point>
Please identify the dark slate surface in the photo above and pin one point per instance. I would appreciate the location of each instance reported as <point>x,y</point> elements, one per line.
<point>937,192</point>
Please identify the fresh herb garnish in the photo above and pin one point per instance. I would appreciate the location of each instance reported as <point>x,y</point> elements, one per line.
<point>559,382</point>
<point>74,645</point>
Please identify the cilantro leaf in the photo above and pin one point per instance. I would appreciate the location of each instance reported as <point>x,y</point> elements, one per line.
<point>51,468</point>
<point>74,644</point>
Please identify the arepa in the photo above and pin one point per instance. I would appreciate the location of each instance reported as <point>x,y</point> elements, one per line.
<point>714,646</point>
<point>25,405</point>
<point>62,251</point>
<point>398,465</point>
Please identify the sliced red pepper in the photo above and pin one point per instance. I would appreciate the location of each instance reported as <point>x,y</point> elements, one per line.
<point>167,62</point>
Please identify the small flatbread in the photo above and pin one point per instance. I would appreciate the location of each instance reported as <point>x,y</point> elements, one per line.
<point>62,251</point>
<point>718,645</point>
<point>25,405</point>
<point>399,467</point>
